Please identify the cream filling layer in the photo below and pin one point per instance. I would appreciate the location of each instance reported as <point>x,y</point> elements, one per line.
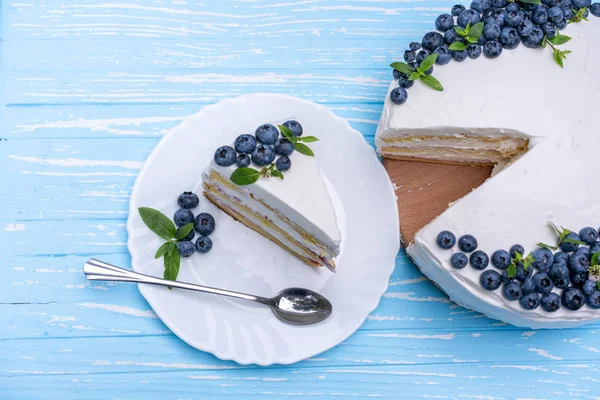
<point>444,154</point>
<point>504,145</point>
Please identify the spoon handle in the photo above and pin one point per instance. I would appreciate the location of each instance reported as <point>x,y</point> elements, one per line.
<point>96,270</point>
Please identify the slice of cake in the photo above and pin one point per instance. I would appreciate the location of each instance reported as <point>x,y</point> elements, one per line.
<point>271,183</point>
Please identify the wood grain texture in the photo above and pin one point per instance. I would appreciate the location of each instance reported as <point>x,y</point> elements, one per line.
<point>87,89</point>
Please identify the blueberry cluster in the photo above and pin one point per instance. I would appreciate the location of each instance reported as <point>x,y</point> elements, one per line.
<point>569,276</point>
<point>204,225</point>
<point>488,27</point>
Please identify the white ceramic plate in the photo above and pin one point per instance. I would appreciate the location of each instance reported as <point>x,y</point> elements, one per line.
<point>244,261</point>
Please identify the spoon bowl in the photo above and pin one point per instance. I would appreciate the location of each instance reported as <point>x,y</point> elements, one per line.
<point>301,306</point>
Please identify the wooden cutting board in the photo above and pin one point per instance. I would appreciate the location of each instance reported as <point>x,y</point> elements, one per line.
<point>424,190</point>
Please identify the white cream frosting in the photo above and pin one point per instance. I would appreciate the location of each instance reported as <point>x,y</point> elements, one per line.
<point>523,93</point>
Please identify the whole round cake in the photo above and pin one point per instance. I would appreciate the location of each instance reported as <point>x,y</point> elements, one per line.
<point>523,247</point>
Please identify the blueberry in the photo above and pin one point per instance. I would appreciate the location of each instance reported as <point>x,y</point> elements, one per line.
<point>443,55</point>
<point>204,224</point>
<point>398,95</point>
<point>595,248</point>
<point>473,51</point>
<point>539,16</point>
<point>573,298</point>
<point>225,156</point>
<point>516,248</point>
<point>267,134</point>
<point>457,9</point>
<point>444,22</point>
<point>482,40</point>
<point>562,24</point>
<point>481,5</point>
<point>414,46</point>
<point>588,235</point>
<point>558,271</point>
<point>410,56</point>
<point>550,302</point>
<point>404,82</point>
<point>423,54</point>
<point>283,147</point>
<point>568,247</point>
<point>501,259</point>
<point>525,28</point>
<point>446,239</point>
<point>530,301</point>
<point>527,15</point>
<point>549,29</point>
<point>245,144</point>
<point>186,248</point>
<point>593,300</point>
<point>459,260</point>
<point>242,160</point>
<point>578,261</point>
<point>283,163</point>
<point>543,283</point>
<point>492,49</point>
<point>492,31</point>
<point>595,9</point>
<point>459,55</point>
<point>543,258</point>
<point>293,126</point>
<point>451,37</point>
<point>490,280</point>
<point>583,250</point>
<point>499,3</point>
<point>495,16</point>
<point>479,260</point>
<point>588,287</point>
<point>581,3</point>
<point>561,257</point>
<point>183,217</point>
<point>397,73</point>
<point>556,14</point>
<point>512,291</point>
<point>188,200</point>
<point>431,40</point>
<point>513,18</point>
<point>567,10</point>
<point>528,286</point>
<point>534,39</point>
<point>523,273</point>
<point>562,283</point>
<point>513,7</point>
<point>467,243</point>
<point>203,244</point>
<point>510,38</point>
<point>528,7</point>
<point>189,236</point>
<point>263,155</point>
<point>468,16</point>
<point>578,278</point>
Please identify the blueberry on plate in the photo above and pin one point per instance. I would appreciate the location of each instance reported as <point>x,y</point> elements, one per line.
<point>186,248</point>
<point>513,7</point>
<point>459,55</point>
<point>492,31</point>
<point>410,56</point>
<point>567,246</point>
<point>263,155</point>
<point>398,95</point>
<point>561,257</point>
<point>479,260</point>
<point>505,279</point>
<point>588,287</point>
<point>266,134</point>
<point>516,248</point>
<point>494,16</point>
<point>579,262</point>
<point>567,10</point>
<point>523,272</point>
<point>578,278</point>
<point>404,82</point>
<point>183,217</point>
<point>283,163</point>
<point>550,302</point>
<point>530,301</point>
<point>581,3</point>
<point>242,160</point>
<point>534,39</point>
<point>490,280</point>
<point>203,244</point>
<point>188,200</point>
<point>501,259</point>
<point>204,224</point>
<point>543,283</point>
<point>474,51</point>
<point>443,57</point>
<point>423,54</point>
<point>457,9</point>
<point>556,14</point>
<point>562,283</point>
<point>446,239</point>
<point>558,271</point>
<point>414,46</point>
<point>459,260</point>
<point>573,298</point>
<point>513,18</point>
<point>593,300</point>
<point>294,126</point>
<point>467,243</point>
<point>528,286</point>
<point>492,49</point>
<point>481,5</point>
<point>595,9</point>
<point>189,236</point>
<point>543,258</point>
<point>525,28</point>
<point>588,235</point>
<point>396,73</point>
<point>562,24</point>
<point>245,144</point>
<point>539,16</point>
<point>512,291</point>
<point>468,16</point>
<point>283,147</point>
<point>499,3</point>
<point>595,248</point>
<point>450,36</point>
<point>509,38</point>
<point>549,29</point>
<point>225,156</point>
<point>444,22</point>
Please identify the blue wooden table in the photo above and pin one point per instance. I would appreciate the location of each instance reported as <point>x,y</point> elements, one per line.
<point>87,89</point>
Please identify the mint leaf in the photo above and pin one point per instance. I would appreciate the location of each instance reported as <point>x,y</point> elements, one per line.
<point>428,62</point>
<point>245,175</point>
<point>579,15</point>
<point>164,249</point>
<point>547,246</point>
<point>308,139</point>
<point>184,231</point>
<point>402,67</point>
<point>285,131</point>
<point>461,31</point>
<point>471,39</point>
<point>303,149</point>
<point>573,241</point>
<point>457,46</point>
<point>414,76</point>
<point>158,222</point>
<point>475,32</point>
<point>598,285</point>
<point>172,262</point>
<point>432,83</point>
<point>277,173</point>
<point>531,1</point>
<point>559,39</point>
<point>594,259</point>
<point>512,270</point>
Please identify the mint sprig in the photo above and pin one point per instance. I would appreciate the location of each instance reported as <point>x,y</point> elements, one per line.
<point>579,15</point>
<point>470,33</point>
<point>421,73</point>
<point>246,175</point>
<point>557,54</point>
<point>518,259</point>
<point>562,234</point>
<point>164,227</point>
<point>298,141</point>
